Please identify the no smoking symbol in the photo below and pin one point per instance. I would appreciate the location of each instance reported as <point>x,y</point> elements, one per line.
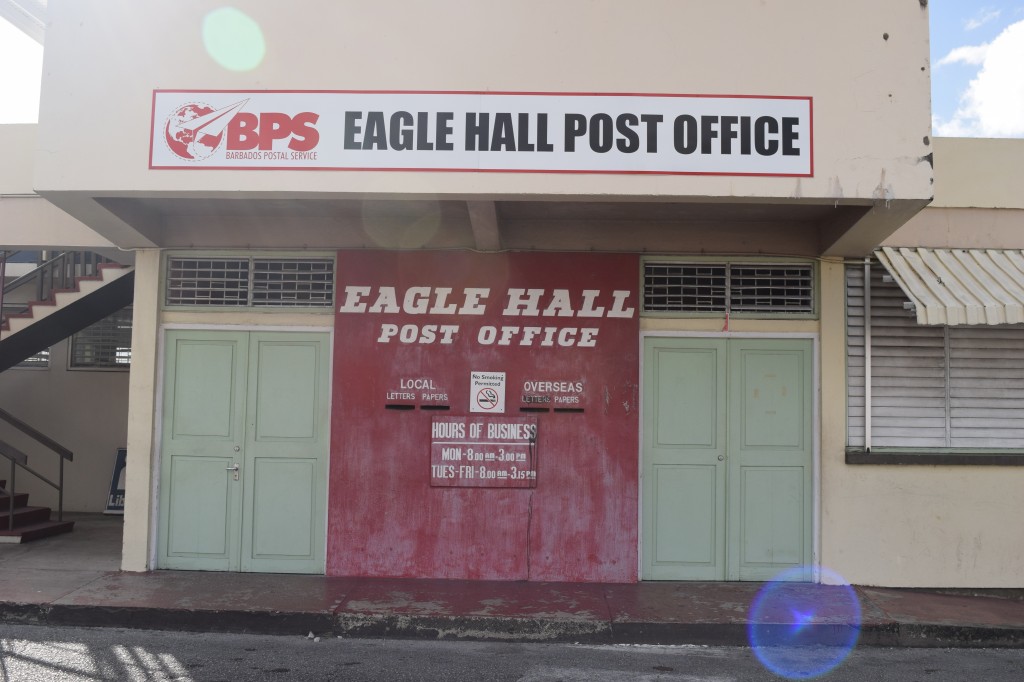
<point>487,398</point>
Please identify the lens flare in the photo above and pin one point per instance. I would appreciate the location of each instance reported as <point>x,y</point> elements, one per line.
<point>233,39</point>
<point>401,225</point>
<point>800,630</point>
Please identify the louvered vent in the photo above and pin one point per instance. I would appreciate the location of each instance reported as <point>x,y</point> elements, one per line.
<point>286,282</point>
<point>771,288</point>
<point>40,359</point>
<point>684,287</point>
<point>105,344</point>
<point>207,281</point>
<point>257,282</point>
<point>729,287</point>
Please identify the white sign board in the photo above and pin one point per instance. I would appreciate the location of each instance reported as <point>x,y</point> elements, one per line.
<point>487,392</point>
<point>482,131</point>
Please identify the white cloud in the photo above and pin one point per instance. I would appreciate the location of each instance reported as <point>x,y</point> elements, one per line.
<point>993,104</point>
<point>968,54</point>
<point>985,15</point>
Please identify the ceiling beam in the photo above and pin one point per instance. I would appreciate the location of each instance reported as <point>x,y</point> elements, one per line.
<point>483,216</point>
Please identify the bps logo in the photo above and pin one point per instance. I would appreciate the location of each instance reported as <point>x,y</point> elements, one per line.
<point>195,131</point>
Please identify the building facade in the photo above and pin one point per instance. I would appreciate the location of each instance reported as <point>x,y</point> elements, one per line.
<point>559,293</point>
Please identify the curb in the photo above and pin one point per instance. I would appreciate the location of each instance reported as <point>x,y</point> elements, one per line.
<point>496,628</point>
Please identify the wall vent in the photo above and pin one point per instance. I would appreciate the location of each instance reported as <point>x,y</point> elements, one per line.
<point>250,282</point>
<point>752,288</point>
<point>106,344</point>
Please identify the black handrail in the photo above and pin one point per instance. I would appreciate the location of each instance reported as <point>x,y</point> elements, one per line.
<point>20,459</point>
<point>54,274</point>
<point>37,436</point>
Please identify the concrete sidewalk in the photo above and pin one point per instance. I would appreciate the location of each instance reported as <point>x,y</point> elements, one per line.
<point>69,582</point>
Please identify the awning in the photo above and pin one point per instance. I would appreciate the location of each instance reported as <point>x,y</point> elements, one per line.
<point>960,286</point>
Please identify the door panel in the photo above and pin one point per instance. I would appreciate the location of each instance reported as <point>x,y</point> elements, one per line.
<point>286,455</point>
<point>685,530</point>
<point>286,389</point>
<point>204,387</point>
<point>198,521</point>
<point>688,384</point>
<point>283,524</point>
<point>772,530</point>
<point>727,458</point>
<point>771,390</point>
<point>770,455</point>
<point>684,453</point>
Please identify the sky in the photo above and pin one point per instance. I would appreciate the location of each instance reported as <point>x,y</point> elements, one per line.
<point>977,57</point>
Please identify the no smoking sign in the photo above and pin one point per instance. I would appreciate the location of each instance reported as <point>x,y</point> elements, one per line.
<point>487,392</point>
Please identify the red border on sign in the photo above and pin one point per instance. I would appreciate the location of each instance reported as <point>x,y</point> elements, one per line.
<point>810,116</point>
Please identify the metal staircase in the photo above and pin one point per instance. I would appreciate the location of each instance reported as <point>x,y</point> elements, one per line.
<point>18,521</point>
<point>62,296</point>
<point>59,297</point>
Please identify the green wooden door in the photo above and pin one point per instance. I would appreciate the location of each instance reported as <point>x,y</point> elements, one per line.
<point>684,459</point>
<point>770,457</point>
<point>285,463</point>
<point>244,452</point>
<point>727,458</point>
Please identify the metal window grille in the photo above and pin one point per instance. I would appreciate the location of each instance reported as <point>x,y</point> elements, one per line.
<point>40,359</point>
<point>207,281</point>
<point>107,343</point>
<point>771,288</point>
<point>288,282</point>
<point>255,282</point>
<point>684,287</point>
<point>729,287</point>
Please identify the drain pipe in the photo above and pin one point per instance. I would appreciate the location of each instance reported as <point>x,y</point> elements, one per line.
<point>867,354</point>
<point>3,282</point>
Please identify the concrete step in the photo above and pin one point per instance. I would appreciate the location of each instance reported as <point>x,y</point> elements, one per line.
<point>20,500</point>
<point>24,516</point>
<point>35,531</point>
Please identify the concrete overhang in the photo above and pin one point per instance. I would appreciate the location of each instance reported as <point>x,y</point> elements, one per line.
<point>693,225</point>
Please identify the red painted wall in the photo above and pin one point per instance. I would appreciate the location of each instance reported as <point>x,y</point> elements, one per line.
<point>580,521</point>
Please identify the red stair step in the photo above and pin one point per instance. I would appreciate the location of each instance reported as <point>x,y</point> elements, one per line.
<point>36,531</point>
<point>24,516</point>
<point>20,500</point>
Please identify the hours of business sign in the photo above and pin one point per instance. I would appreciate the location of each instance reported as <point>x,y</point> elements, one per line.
<point>483,452</point>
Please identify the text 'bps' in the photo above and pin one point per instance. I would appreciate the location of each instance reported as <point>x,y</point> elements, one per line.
<point>248,131</point>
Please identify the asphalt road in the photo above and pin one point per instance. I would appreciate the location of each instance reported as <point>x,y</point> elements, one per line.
<point>39,654</point>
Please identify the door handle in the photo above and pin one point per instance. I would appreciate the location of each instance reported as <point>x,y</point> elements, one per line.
<point>233,468</point>
<point>721,458</point>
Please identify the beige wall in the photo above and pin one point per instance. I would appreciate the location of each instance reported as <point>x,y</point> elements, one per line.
<point>925,526</point>
<point>979,197</point>
<point>26,220</point>
<point>865,64</point>
<point>85,411</point>
<point>979,173</point>
<point>964,228</point>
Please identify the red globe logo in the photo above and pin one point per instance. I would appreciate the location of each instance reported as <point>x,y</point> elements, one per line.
<point>185,135</point>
